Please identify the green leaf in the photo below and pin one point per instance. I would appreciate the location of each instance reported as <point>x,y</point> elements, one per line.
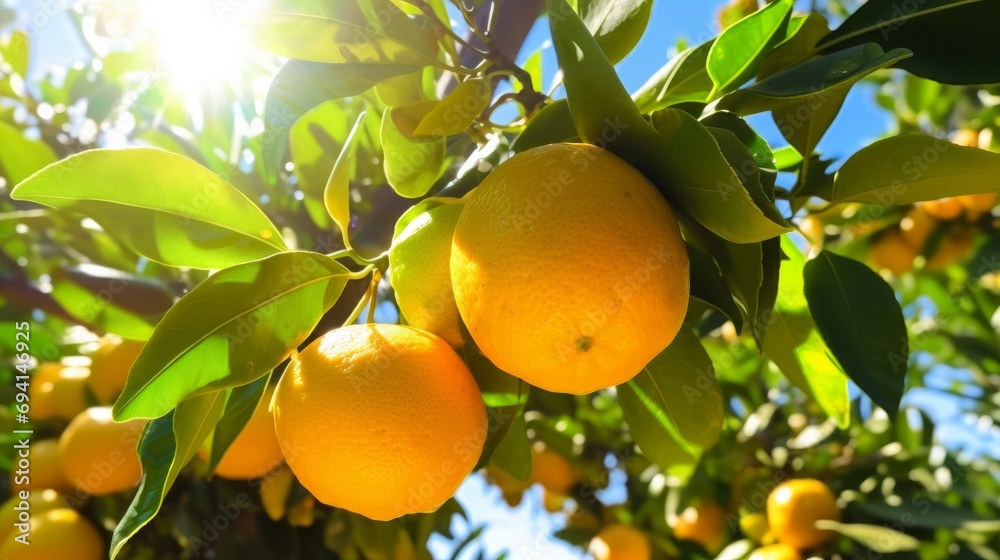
<point>793,343</point>
<point>801,36</point>
<point>505,397</point>
<point>457,111</point>
<point>411,166</point>
<point>167,444</point>
<point>299,86</point>
<point>674,405</point>
<point>684,78</point>
<point>553,124</point>
<point>947,37</point>
<point>15,50</point>
<point>337,195</point>
<point>312,139</point>
<point>708,285</point>
<point>161,205</point>
<point>763,157</point>
<point>686,163</point>
<point>874,537</point>
<point>602,110</point>
<point>927,514</point>
<point>343,33</point>
<point>617,25</point>
<point>825,76</point>
<point>738,52</point>
<point>112,300</point>
<point>744,164</point>
<point>513,453</point>
<point>240,405</point>
<point>21,156</point>
<point>231,329</point>
<point>857,313</point>
<point>911,168</point>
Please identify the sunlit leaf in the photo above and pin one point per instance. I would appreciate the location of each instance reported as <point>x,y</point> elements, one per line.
<point>411,166</point>
<point>738,52</point>
<point>684,78</point>
<point>21,156</point>
<point>337,195</point>
<point>231,329</point>
<point>674,405</point>
<point>617,25</point>
<point>553,124</point>
<point>457,111</point>
<point>163,206</point>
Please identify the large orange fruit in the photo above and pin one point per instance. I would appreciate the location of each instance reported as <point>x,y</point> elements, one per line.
<point>569,269</point>
<point>381,420</point>
<point>620,542</point>
<point>794,507</point>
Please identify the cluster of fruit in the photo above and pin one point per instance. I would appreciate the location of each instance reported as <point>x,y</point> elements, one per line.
<point>942,230</point>
<point>84,454</point>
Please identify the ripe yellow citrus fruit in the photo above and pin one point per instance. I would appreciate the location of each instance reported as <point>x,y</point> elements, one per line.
<point>59,533</point>
<point>43,470</point>
<point>891,252</point>
<point>793,508</point>
<point>111,362</point>
<point>978,204</point>
<point>778,551</point>
<point>255,451</point>
<point>58,391</point>
<point>553,471</point>
<point>16,510</point>
<point>943,209</point>
<point>99,455</point>
<point>620,542</point>
<point>704,524</point>
<point>569,269</point>
<point>381,420</point>
<point>420,271</point>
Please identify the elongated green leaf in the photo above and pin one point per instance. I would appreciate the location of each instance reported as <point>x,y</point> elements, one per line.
<point>857,314</point>
<point>874,537</point>
<point>505,397</point>
<point>602,110</point>
<point>167,444</point>
<point>708,285</point>
<point>411,166</point>
<point>684,78</point>
<point>337,195</point>
<point>342,33</point>
<point>239,407</point>
<point>231,329</point>
<point>299,86</point>
<point>688,166</point>
<point>513,453</point>
<point>457,110</point>
<point>617,25</point>
<point>20,156</point>
<point>116,302</point>
<point>819,80</point>
<point>793,343</point>
<point>674,405</point>
<point>553,124</point>
<point>163,206</point>
<point>947,37</point>
<point>321,132</point>
<point>911,168</point>
<point>738,52</point>
<point>801,36</point>
<point>744,164</point>
<point>928,514</point>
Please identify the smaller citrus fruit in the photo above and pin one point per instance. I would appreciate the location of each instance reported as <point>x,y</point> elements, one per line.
<point>794,507</point>
<point>18,510</point>
<point>510,487</point>
<point>944,208</point>
<point>620,542</point>
<point>274,490</point>
<point>110,364</point>
<point>704,524</point>
<point>553,503</point>
<point>420,272</point>
<point>99,455</point>
<point>776,552</point>
<point>58,533</point>
<point>917,227</point>
<point>754,526</point>
<point>978,204</point>
<point>966,137</point>
<point>952,248</point>
<point>381,420</point>
<point>44,470</point>
<point>891,252</point>
<point>553,471</point>
<point>58,391</point>
<point>255,451</point>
